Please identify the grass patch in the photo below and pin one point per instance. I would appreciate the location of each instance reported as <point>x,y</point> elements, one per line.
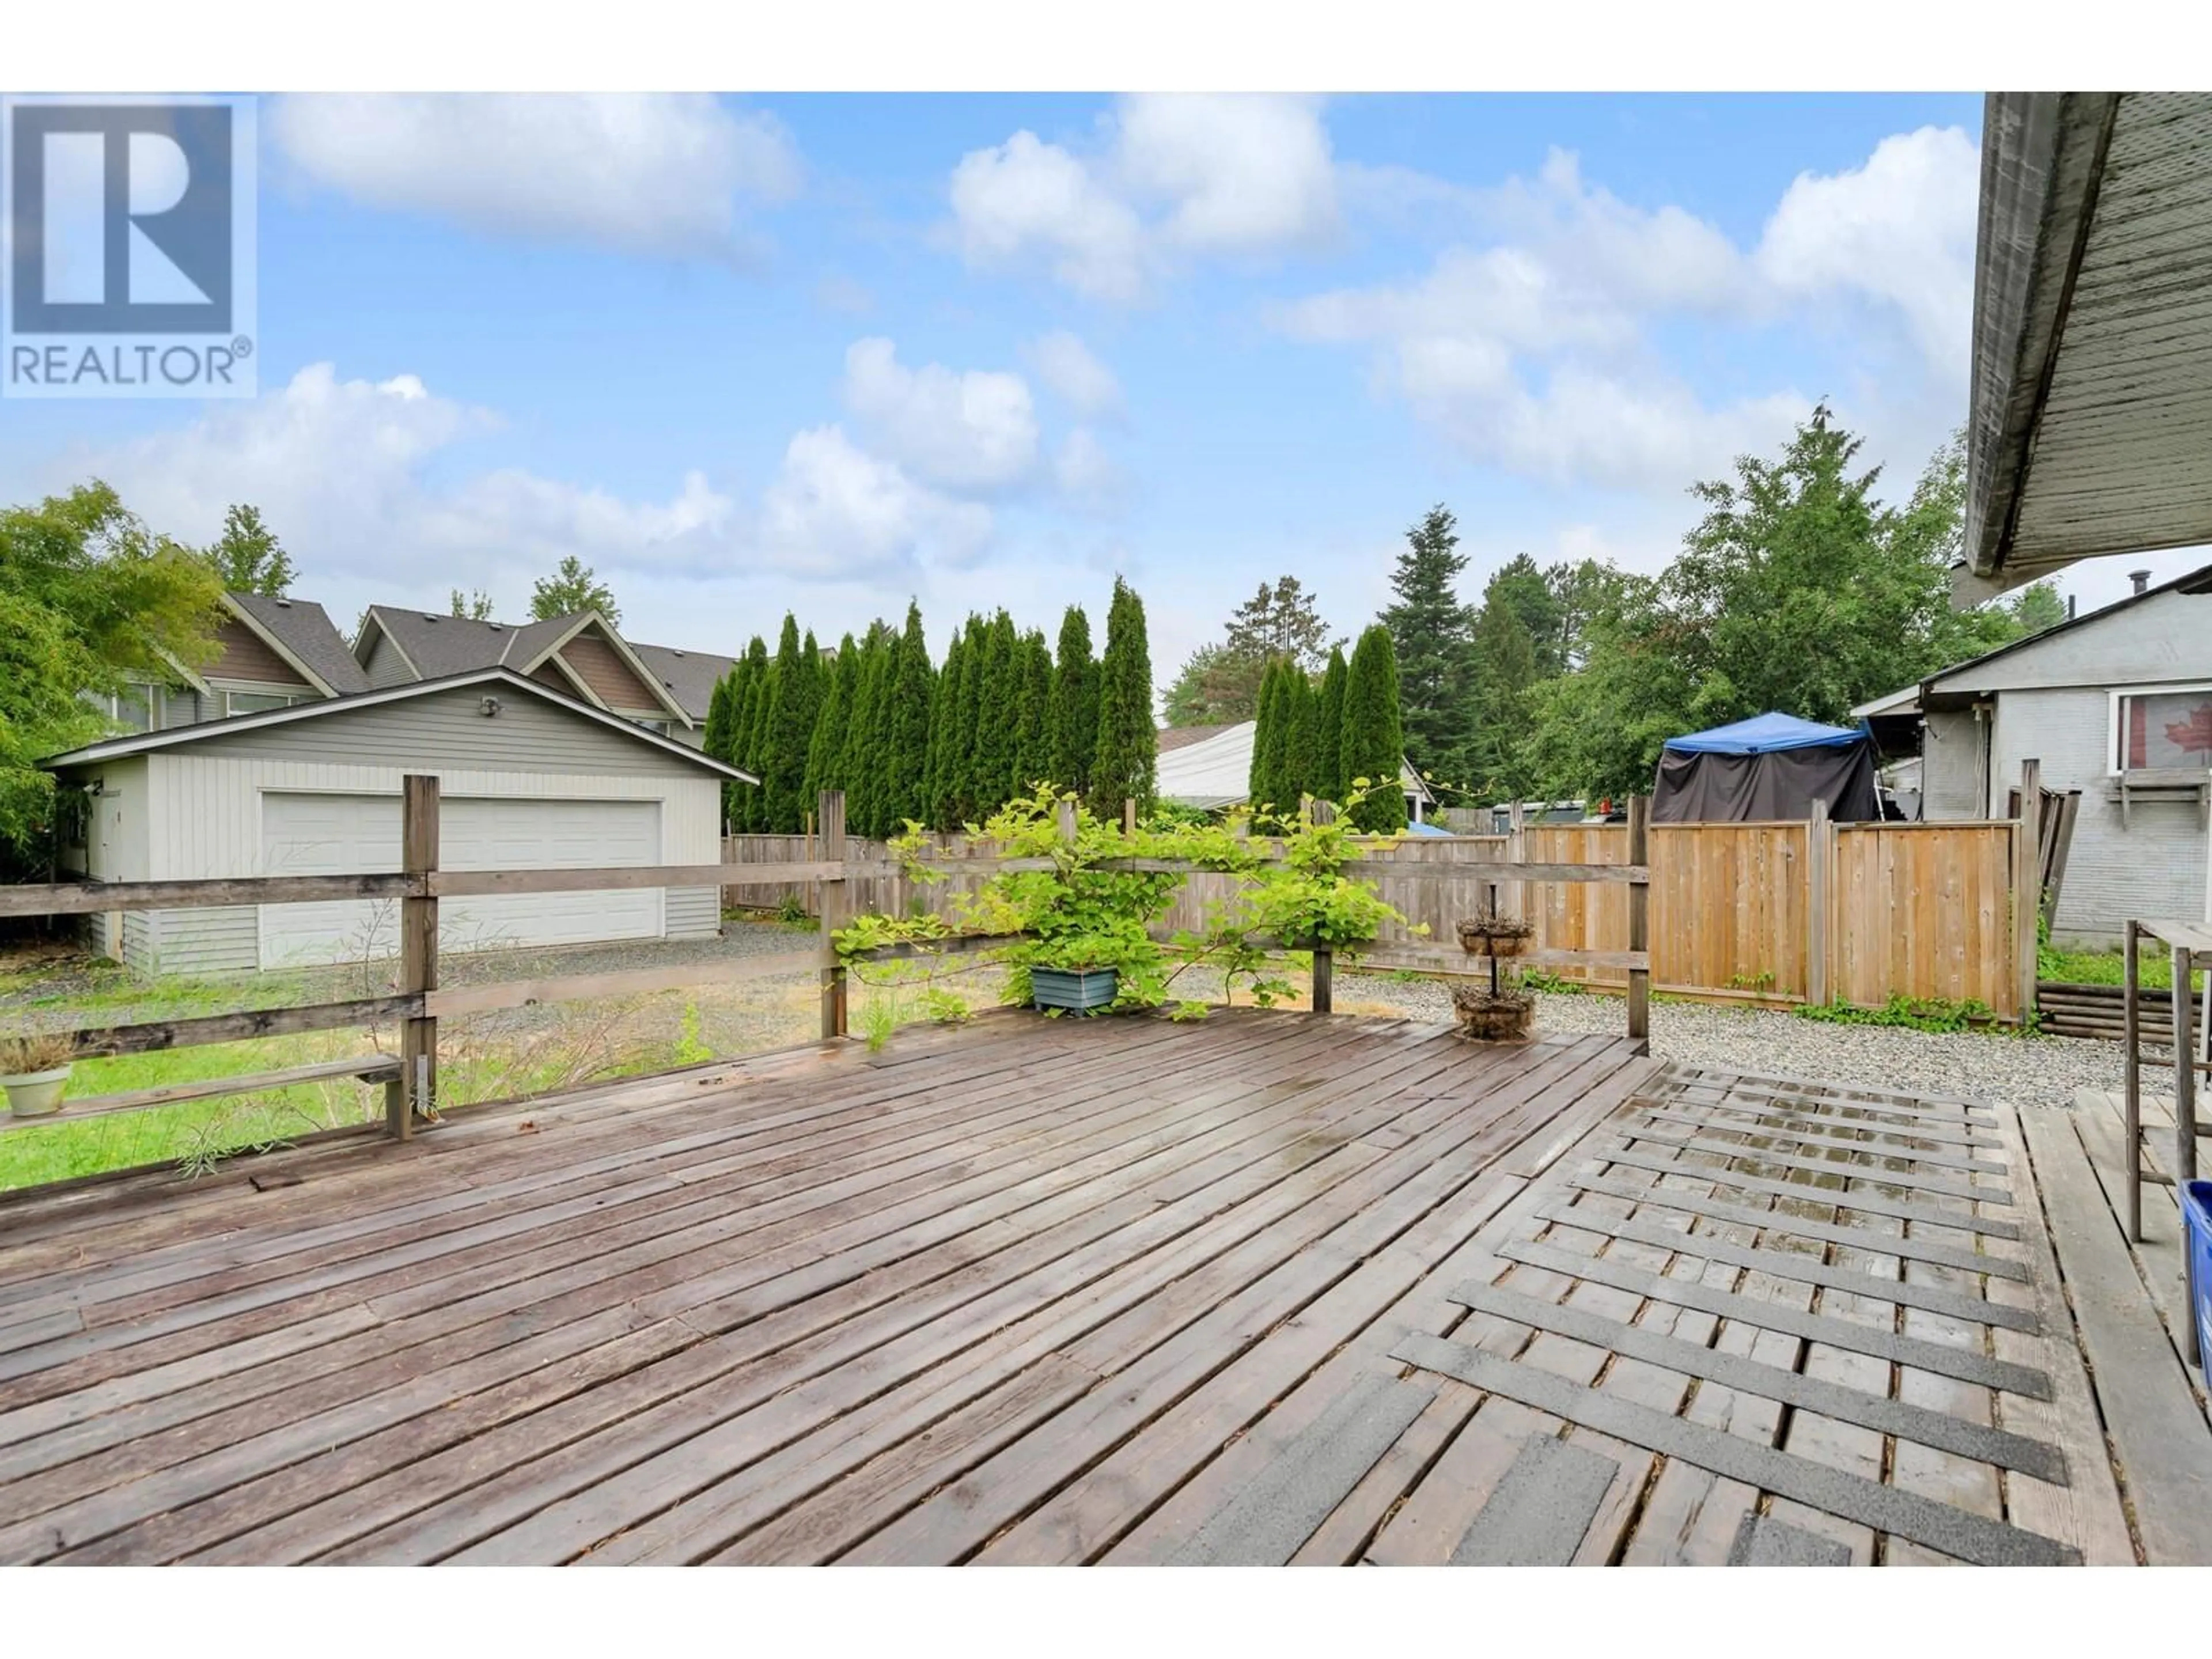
<point>2154,963</point>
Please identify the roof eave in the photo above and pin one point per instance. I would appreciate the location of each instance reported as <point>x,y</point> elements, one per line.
<point>2043,157</point>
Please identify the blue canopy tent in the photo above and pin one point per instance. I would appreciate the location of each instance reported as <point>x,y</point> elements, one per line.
<point>1772,767</point>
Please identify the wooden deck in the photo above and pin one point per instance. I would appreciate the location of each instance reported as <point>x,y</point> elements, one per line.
<point>1268,1288</point>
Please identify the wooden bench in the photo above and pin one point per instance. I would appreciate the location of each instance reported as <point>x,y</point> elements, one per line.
<point>368,1069</point>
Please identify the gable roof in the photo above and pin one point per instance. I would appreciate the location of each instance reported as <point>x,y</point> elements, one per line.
<point>437,645</point>
<point>302,632</point>
<point>2195,581</point>
<point>505,678</point>
<point>690,677</point>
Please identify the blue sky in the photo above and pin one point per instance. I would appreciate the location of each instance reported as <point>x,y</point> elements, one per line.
<point>828,352</point>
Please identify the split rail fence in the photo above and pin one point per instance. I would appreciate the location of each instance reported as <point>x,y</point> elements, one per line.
<point>842,878</point>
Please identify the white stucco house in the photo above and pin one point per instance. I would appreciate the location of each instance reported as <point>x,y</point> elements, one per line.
<point>2117,704</point>
<point>529,778</point>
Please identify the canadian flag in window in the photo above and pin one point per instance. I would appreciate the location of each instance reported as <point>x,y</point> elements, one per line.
<point>2167,729</point>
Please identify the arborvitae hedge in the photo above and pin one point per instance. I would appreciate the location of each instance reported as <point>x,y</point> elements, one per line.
<point>1125,764</point>
<point>1328,730</point>
<point>1072,721</point>
<point>1374,745</point>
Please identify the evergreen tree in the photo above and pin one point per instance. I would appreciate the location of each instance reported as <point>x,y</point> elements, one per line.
<point>1035,765</point>
<point>998,737</point>
<point>825,756</point>
<point>1072,719</point>
<point>1373,743</point>
<point>906,730</point>
<point>944,782</point>
<point>1328,730</point>
<point>1506,666</point>
<point>860,762</point>
<point>789,731</point>
<point>747,678</point>
<point>1431,634</point>
<point>1302,722</point>
<point>715,739</point>
<point>959,786</point>
<point>757,802</point>
<point>1271,739</point>
<point>1125,762</point>
<point>1280,620</point>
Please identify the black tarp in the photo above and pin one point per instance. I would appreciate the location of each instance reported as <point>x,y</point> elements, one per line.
<point>1765,774</point>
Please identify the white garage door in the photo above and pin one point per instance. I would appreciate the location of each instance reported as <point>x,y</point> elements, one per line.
<point>305,834</point>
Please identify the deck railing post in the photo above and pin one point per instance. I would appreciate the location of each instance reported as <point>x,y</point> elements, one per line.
<point>417,1091</point>
<point>1639,918</point>
<point>1128,815</point>
<point>2131,1071</point>
<point>2027,884</point>
<point>830,901</point>
<point>1323,997</point>
<point>1516,849</point>
<point>2185,1123</point>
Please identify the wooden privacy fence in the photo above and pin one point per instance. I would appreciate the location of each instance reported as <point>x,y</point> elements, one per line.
<point>1779,913</point>
<point>841,876</point>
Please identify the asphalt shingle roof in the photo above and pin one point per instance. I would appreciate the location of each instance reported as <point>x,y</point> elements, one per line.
<point>308,634</point>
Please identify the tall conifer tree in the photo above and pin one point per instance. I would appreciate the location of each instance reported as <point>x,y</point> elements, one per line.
<point>1125,765</point>
<point>1374,743</point>
<point>1328,730</point>
<point>1073,721</point>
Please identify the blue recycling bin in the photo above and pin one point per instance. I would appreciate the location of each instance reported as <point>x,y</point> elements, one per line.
<point>2197,1221</point>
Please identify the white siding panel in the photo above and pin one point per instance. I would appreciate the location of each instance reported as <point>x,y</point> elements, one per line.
<point>1950,771</point>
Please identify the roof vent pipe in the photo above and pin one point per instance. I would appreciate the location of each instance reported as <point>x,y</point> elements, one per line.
<point>2141,579</point>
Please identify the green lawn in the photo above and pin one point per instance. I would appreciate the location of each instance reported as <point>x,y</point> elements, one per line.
<point>483,1058</point>
<point>2154,963</point>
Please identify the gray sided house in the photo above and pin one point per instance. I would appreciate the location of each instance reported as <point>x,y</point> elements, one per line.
<point>659,687</point>
<point>530,778</point>
<point>2117,704</point>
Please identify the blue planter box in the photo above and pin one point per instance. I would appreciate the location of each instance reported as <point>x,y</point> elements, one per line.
<point>1083,993</point>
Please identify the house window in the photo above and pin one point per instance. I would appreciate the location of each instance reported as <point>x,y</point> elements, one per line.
<point>2166,730</point>
<point>659,726</point>
<point>257,702</point>
<point>126,707</point>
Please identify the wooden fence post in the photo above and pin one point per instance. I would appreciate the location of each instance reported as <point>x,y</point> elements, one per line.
<point>1820,878</point>
<point>1128,815</point>
<point>830,808</point>
<point>1516,849</point>
<point>2185,1125</point>
<point>417,1091</point>
<point>1323,997</point>
<point>2027,882</point>
<point>1639,918</point>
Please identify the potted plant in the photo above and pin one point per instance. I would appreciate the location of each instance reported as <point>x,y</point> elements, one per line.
<point>34,1073</point>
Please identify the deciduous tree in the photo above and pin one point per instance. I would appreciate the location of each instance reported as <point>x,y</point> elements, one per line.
<point>249,557</point>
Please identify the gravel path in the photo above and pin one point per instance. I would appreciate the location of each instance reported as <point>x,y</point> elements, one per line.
<point>2022,1071</point>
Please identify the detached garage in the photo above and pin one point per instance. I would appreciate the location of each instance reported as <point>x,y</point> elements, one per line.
<point>529,779</point>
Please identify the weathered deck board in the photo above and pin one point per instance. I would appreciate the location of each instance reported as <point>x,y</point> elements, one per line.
<point>1064,1292</point>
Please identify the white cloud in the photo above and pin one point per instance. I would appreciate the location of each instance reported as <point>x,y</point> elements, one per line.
<point>1178,175</point>
<point>1074,376</point>
<point>1535,351</point>
<point>837,511</point>
<point>661,173</point>
<point>354,477</point>
<point>972,430</point>
<point>1236,172</point>
<point>1027,196</point>
<point>1900,230</point>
